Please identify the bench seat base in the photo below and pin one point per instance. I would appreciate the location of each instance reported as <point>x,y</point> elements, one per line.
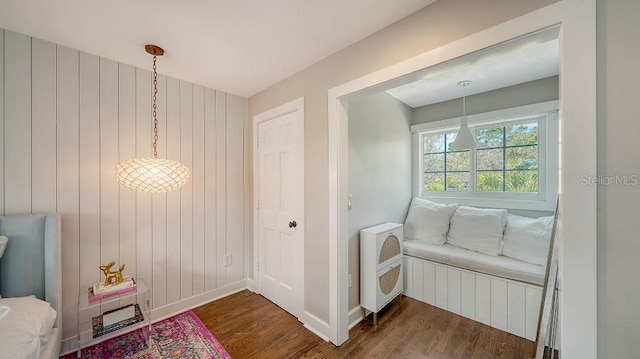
<point>501,303</point>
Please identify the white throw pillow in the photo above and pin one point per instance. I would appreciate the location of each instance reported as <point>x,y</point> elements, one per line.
<point>3,244</point>
<point>527,239</point>
<point>428,221</point>
<point>478,229</point>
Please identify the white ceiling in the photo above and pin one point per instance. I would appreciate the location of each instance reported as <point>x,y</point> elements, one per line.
<point>522,60</point>
<point>237,46</point>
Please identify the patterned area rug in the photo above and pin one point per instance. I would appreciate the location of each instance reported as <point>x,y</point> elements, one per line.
<point>181,336</point>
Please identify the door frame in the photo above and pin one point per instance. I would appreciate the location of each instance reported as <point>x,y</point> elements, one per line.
<point>296,105</point>
<point>577,20</point>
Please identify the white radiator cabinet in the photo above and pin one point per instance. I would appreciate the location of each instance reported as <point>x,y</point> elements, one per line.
<point>381,266</point>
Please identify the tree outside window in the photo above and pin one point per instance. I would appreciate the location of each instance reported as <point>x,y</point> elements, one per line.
<point>506,160</point>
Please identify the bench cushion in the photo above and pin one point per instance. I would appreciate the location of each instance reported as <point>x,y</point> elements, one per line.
<point>499,266</point>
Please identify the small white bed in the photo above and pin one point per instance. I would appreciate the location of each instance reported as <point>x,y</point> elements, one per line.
<point>30,286</point>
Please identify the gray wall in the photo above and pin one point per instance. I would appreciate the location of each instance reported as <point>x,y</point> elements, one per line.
<point>379,171</point>
<point>618,215</point>
<point>427,29</point>
<point>513,96</point>
<point>618,129</point>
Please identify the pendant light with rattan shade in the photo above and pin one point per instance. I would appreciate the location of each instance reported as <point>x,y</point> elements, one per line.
<point>153,175</point>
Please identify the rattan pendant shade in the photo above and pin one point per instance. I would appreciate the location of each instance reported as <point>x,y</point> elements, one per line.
<point>153,175</point>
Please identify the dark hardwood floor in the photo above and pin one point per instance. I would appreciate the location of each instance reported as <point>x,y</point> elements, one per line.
<point>249,326</point>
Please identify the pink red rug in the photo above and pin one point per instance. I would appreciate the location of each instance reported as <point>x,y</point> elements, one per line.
<point>181,336</point>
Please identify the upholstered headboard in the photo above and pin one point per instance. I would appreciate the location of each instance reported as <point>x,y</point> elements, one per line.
<point>32,263</point>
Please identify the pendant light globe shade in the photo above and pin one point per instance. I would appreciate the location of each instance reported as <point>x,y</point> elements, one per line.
<point>464,139</point>
<point>152,175</point>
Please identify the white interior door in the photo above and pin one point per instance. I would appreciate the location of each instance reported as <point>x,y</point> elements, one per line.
<point>280,208</point>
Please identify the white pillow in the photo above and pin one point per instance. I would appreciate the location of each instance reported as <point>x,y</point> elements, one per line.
<point>527,239</point>
<point>478,229</point>
<point>3,244</point>
<point>28,315</point>
<point>428,221</point>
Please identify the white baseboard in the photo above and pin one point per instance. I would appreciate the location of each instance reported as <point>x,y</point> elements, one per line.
<point>317,326</point>
<point>355,316</point>
<point>309,321</point>
<point>157,314</point>
<point>252,285</point>
<point>161,313</point>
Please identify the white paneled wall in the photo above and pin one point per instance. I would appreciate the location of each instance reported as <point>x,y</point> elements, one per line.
<point>68,118</point>
<point>500,303</point>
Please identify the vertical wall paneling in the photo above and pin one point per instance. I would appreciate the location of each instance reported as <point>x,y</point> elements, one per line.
<point>221,189</point>
<point>516,308</point>
<point>242,116</point>
<point>441,287</point>
<point>533,296</point>
<point>68,180</point>
<point>67,118</point>
<point>483,299</point>
<point>173,198</point>
<point>186,201</point>
<point>43,115</point>
<point>468,295</point>
<point>89,155</point>
<point>211,239</point>
<point>453,290</point>
<point>248,200</point>
<point>160,245</point>
<point>109,187</point>
<point>126,150</point>
<point>408,277</point>
<point>198,186</point>
<point>499,304</point>
<point>429,283</point>
<point>2,32</point>
<point>235,201</point>
<point>17,125</point>
<point>418,280</point>
<point>144,134</point>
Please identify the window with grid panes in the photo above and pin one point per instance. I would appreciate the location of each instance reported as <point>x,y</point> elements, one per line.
<point>506,159</point>
<point>515,164</point>
<point>444,169</point>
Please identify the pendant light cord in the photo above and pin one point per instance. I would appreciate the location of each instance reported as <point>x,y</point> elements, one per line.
<point>464,106</point>
<point>155,107</point>
<point>464,85</point>
<point>153,175</point>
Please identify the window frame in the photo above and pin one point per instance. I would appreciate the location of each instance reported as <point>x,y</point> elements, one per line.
<point>548,134</point>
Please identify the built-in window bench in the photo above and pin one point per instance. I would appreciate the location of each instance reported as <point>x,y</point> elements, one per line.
<point>501,303</point>
<point>485,264</point>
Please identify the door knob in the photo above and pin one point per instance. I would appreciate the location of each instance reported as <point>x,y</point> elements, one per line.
<point>293,224</point>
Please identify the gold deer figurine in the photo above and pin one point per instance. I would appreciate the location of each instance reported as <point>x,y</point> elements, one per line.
<point>112,277</point>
